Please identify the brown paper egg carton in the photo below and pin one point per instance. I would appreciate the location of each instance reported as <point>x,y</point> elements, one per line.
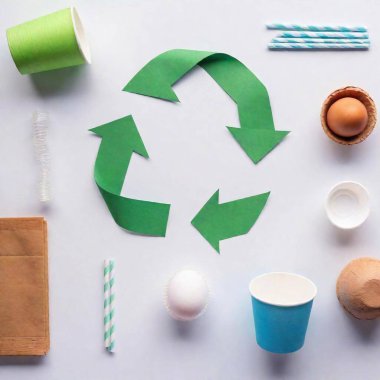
<point>358,290</point>
<point>362,96</point>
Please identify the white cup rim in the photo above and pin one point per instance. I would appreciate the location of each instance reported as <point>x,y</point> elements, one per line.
<point>361,191</point>
<point>308,295</point>
<point>80,35</point>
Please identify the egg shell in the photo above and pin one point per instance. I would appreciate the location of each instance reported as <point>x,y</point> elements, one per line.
<point>347,117</point>
<point>362,96</point>
<point>186,295</point>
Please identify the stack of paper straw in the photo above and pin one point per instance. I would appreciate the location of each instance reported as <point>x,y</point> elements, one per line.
<point>294,36</point>
<point>109,304</point>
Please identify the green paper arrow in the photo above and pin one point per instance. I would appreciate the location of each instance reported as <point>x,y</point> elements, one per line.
<point>218,221</point>
<point>257,143</point>
<point>120,138</point>
<point>158,76</point>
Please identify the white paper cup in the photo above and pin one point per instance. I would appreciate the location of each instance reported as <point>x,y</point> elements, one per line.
<point>347,205</point>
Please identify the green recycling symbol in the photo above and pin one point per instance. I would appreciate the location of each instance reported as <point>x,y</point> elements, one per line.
<point>257,136</point>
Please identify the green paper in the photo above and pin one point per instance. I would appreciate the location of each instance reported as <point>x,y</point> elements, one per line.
<point>257,143</point>
<point>218,221</point>
<point>158,76</point>
<point>47,43</point>
<point>120,138</point>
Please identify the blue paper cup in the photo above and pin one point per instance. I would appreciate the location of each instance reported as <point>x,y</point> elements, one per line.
<point>281,305</point>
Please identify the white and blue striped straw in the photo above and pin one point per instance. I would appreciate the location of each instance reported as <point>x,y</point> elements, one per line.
<point>310,46</point>
<point>321,40</point>
<point>347,35</point>
<point>316,28</point>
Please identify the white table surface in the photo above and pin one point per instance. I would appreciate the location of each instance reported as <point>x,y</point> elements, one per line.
<point>192,155</point>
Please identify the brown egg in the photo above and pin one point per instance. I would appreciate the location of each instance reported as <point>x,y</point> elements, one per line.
<point>347,117</point>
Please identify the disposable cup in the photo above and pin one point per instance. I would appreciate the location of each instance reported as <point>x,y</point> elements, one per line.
<point>347,205</point>
<point>50,42</point>
<point>281,305</point>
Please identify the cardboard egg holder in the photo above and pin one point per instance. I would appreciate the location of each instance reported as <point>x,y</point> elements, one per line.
<point>362,96</point>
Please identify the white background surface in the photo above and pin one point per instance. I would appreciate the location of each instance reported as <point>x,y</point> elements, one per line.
<point>192,155</point>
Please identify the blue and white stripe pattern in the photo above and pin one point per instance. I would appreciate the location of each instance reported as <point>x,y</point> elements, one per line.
<point>316,28</point>
<point>109,304</point>
<point>320,40</point>
<point>312,45</point>
<point>348,35</point>
<point>323,37</point>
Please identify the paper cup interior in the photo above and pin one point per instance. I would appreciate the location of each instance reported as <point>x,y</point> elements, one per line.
<point>80,35</point>
<point>283,289</point>
<point>347,205</point>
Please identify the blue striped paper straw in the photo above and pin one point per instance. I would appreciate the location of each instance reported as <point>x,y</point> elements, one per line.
<point>316,28</point>
<point>310,46</point>
<point>321,40</point>
<point>346,35</point>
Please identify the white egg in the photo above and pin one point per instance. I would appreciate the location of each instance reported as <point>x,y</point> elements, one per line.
<point>186,295</point>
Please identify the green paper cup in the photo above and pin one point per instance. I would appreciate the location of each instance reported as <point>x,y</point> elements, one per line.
<point>50,42</point>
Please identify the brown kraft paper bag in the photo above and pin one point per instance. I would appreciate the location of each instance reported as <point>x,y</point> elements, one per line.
<point>24,292</point>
